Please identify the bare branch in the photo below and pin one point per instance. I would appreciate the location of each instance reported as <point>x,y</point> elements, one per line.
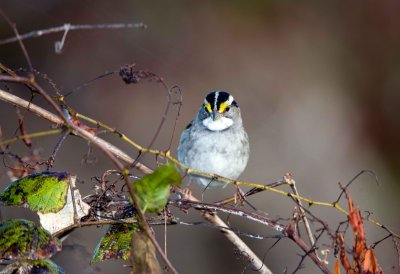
<point>112,222</point>
<point>310,235</point>
<point>18,38</point>
<point>184,203</point>
<point>292,234</point>
<point>69,27</point>
<point>19,102</point>
<point>241,246</point>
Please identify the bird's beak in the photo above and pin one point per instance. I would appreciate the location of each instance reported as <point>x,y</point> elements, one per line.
<point>215,115</point>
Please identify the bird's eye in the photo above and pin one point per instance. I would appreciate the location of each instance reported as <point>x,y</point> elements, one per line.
<point>227,108</point>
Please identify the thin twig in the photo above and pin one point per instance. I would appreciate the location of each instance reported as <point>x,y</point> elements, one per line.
<point>111,222</point>
<point>292,234</point>
<point>18,38</point>
<point>253,191</point>
<point>371,172</point>
<point>178,113</point>
<point>86,84</point>
<point>183,203</point>
<point>63,28</point>
<point>31,135</point>
<point>52,158</point>
<point>233,229</point>
<point>303,216</point>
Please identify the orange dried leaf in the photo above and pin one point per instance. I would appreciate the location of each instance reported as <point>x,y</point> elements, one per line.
<point>370,264</point>
<point>367,265</point>
<point>342,254</point>
<point>360,226</point>
<point>336,269</point>
<point>360,245</point>
<point>350,201</point>
<point>362,255</point>
<point>354,219</point>
<point>359,249</point>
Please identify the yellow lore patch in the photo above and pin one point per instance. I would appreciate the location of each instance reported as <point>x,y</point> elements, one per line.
<point>222,107</point>
<point>208,107</point>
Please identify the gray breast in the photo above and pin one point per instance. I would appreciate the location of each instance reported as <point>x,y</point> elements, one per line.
<point>222,152</point>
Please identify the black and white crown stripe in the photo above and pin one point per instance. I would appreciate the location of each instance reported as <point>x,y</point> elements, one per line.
<point>215,99</point>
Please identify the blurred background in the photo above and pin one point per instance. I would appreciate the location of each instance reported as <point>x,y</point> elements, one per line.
<point>318,83</point>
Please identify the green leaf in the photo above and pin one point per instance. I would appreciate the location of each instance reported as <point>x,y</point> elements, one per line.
<point>144,259</point>
<point>115,244</point>
<point>153,189</point>
<point>23,239</point>
<point>44,192</point>
<point>33,267</point>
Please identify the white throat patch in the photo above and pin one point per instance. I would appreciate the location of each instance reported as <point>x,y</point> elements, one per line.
<point>217,125</point>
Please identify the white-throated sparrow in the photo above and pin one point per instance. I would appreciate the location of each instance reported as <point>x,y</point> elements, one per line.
<point>215,141</point>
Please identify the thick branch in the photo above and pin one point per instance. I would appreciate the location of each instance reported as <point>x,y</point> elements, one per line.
<point>22,103</point>
<point>240,245</point>
<point>17,101</point>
